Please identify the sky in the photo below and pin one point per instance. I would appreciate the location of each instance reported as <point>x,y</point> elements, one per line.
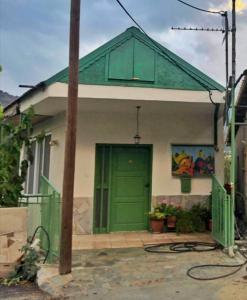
<point>34,34</point>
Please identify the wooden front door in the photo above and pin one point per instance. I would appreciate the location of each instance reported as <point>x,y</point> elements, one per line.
<point>122,187</point>
<point>130,188</point>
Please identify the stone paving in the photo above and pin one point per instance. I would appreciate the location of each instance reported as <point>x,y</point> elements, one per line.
<point>132,239</point>
<point>133,274</point>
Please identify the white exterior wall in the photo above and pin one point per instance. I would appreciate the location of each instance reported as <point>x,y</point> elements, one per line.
<point>55,126</point>
<point>159,130</point>
<point>112,122</point>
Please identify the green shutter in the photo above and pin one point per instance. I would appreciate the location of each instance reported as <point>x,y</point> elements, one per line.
<point>144,58</point>
<point>121,62</point>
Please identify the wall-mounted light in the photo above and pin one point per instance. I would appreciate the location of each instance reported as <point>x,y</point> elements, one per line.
<point>137,137</point>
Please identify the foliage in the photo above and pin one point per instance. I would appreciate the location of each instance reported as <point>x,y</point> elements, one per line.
<point>169,209</point>
<point>156,214</point>
<point>13,172</point>
<point>27,269</point>
<point>184,222</point>
<point>200,210</point>
<point>199,225</point>
<point>188,220</point>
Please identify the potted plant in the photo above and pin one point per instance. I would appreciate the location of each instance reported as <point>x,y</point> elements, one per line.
<point>201,217</point>
<point>170,211</point>
<point>184,222</point>
<point>156,218</point>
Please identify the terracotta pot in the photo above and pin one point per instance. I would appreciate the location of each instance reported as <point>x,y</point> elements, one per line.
<point>171,222</point>
<point>157,226</point>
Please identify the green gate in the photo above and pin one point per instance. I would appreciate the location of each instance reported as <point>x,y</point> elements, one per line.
<point>222,215</point>
<point>50,218</point>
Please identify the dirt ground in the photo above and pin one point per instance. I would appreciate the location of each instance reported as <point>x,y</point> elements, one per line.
<point>133,274</point>
<point>23,292</point>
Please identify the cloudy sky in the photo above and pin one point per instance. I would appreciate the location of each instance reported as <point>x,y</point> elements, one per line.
<point>34,34</point>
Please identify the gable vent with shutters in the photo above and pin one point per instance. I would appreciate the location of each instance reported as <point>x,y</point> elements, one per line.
<point>132,60</point>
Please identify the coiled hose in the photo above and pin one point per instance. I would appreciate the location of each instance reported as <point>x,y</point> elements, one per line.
<point>184,247</point>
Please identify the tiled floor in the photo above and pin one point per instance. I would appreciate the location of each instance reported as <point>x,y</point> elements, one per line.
<point>133,239</point>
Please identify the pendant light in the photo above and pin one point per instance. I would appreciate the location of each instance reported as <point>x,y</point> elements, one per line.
<point>137,137</point>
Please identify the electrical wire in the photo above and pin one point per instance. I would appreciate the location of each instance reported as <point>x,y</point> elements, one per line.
<point>201,9</point>
<point>129,15</point>
<point>166,55</point>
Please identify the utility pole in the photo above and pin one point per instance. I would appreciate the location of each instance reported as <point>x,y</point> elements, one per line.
<point>233,139</point>
<point>70,142</point>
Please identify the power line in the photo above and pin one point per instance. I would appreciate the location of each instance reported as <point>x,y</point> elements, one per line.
<point>129,15</point>
<point>201,9</point>
<point>167,55</point>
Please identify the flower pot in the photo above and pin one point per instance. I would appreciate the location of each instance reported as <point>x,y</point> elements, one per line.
<point>157,226</point>
<point>171,222</point>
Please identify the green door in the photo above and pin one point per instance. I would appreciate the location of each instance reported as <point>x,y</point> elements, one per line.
<point>130,188</point>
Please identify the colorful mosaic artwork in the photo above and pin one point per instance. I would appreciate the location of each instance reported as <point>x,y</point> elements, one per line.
<point>192,160</point>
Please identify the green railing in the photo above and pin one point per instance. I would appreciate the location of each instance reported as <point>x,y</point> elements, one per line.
<point>33,202</point>
<point>50,218</point>
<point>222,215</point>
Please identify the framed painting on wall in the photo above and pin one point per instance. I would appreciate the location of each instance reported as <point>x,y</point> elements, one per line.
<point>192,160</point>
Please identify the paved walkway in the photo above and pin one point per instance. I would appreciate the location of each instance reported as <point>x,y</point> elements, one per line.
<point>132,239</point>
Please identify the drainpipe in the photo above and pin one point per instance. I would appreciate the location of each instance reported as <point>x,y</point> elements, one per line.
<point>216,113</point>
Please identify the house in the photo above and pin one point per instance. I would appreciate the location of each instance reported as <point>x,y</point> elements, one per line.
<point>241,146</point>
<point>129,86</point>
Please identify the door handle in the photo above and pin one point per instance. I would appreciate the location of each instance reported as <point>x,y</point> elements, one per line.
<point>147,185</point>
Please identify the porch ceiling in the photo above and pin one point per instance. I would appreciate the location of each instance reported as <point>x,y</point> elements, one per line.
<point>53,106</point>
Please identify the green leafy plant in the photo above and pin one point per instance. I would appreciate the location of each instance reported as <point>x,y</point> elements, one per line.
<point>184,222</point>
<point>200,215</point>
<point>156,214</point>
<point>14,138</point>
<point>170,210</point>
<point>26,270</point>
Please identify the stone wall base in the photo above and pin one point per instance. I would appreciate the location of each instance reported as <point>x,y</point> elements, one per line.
<point>185,201</point>
<point>83,209</point>
<point>83,215</point>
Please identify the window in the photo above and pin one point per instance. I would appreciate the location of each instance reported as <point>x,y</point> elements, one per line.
<point>40,165</point>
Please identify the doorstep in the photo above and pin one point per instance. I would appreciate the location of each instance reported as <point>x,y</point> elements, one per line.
<point>135,239</point>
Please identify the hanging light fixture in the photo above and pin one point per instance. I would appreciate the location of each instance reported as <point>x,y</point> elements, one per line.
<point>137,137</point>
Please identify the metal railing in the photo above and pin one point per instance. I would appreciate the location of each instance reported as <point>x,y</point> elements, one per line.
<point>222,215</point>
<point>50,218</point>
<point>33,202</point>
<point>44,209</point>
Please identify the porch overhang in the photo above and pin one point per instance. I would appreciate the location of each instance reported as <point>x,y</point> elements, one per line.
<point>53,99</point>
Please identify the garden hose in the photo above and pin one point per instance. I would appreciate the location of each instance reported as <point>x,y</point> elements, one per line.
<point>48,240</point>
<point>183,247</point>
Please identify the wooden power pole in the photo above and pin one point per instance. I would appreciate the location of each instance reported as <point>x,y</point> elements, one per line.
<point>233,138</point>
<point>70,142</point>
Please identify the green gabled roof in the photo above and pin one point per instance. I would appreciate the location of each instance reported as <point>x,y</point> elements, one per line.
<point>132,59</point>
